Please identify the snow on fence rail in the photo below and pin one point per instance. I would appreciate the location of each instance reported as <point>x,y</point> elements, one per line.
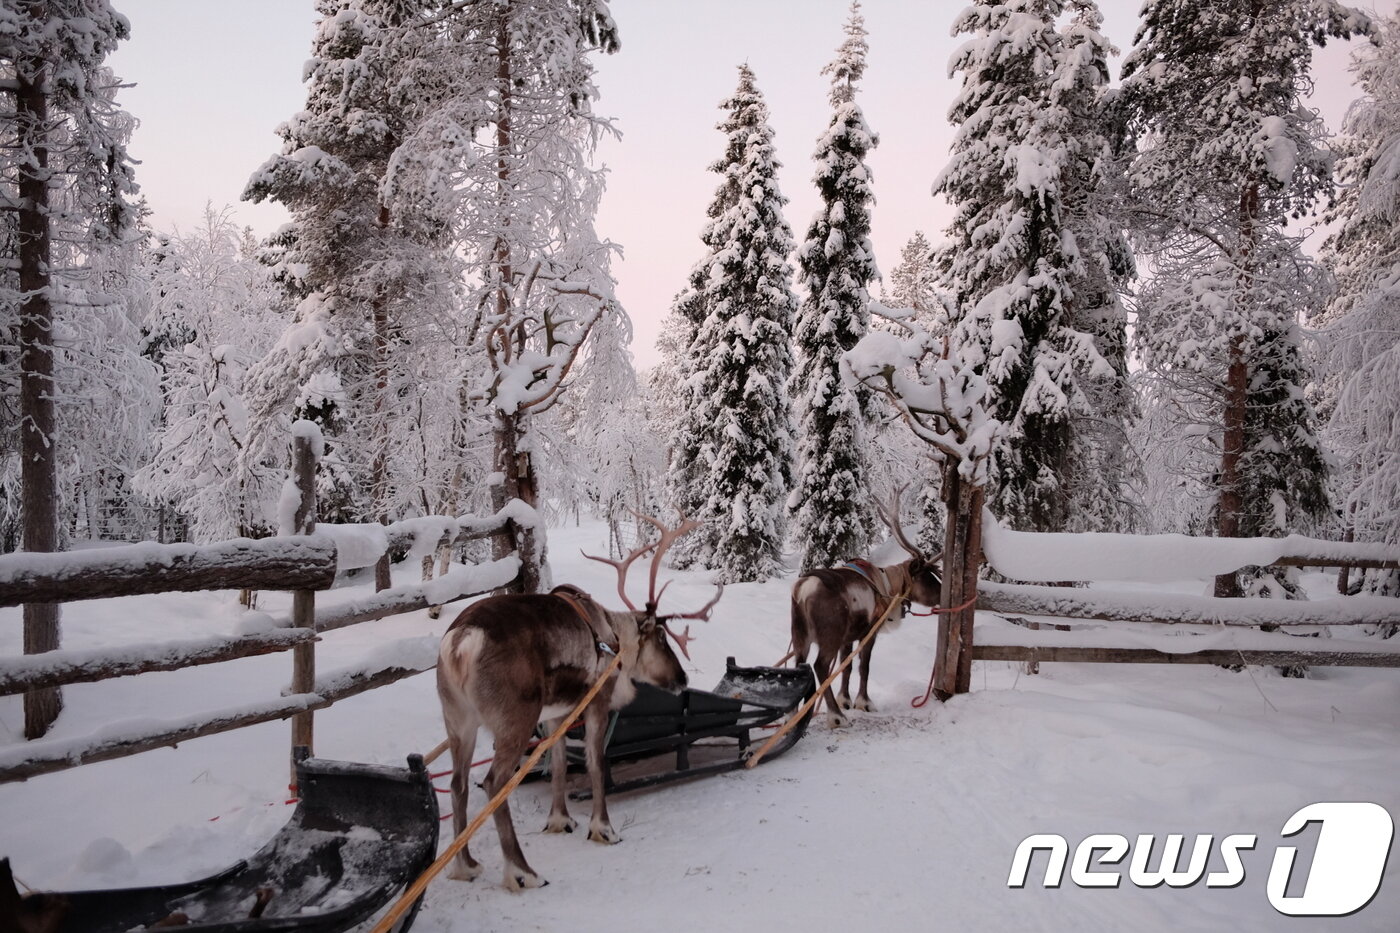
<point>1162,558</point>
<point>1059,557</point>
<point>303,563</point>
<point>137,569</point>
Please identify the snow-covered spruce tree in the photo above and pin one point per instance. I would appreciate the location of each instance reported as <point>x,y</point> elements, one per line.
<point>508,145</point>
<point>830,501</point>
<point>1226,153</point>
<point>913,283</point>
<point>65,173</point>
<point>368,272</point>
<point>1362,322</point>
<point>1009,261</point>
<point>737,429</point>
<point>1105,476</point>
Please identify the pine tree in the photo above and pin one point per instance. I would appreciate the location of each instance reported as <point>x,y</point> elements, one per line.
<point>736,439</point>
<point>364,268</point>
<point>66,173</point>
<point>1226,154</point>
<point>914,282</point>
<point>1010,259</point>
<point>1362,322</point>
<point>1103,469</point>
<point>830,502</point>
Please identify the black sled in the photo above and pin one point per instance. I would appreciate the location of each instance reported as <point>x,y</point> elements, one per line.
<point>662,737</point>
<point>359,835</point>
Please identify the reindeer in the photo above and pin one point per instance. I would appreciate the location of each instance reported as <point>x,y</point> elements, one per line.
<point>512,661</point>
<point>834,609</point>
<point>28,913</point>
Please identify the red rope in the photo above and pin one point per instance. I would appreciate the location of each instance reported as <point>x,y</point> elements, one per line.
<point>919,702</point>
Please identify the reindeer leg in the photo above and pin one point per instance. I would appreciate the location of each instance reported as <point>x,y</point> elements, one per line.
<point>462,743</point>
<point>863,698</point>
<point>509,749</point>
<point>845,696</point>
<point>823,667</point>
<point>596,719</point>
<point>559,819</point>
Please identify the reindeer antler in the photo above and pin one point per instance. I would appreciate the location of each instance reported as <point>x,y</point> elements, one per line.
<point>669,536</point>
<point>890,516</point>
<point>621,567</point>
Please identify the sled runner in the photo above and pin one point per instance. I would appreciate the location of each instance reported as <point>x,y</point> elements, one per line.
<point>708,732</point>
<point>359,834</point>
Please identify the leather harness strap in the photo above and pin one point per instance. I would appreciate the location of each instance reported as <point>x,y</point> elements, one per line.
<point>576,602</point>
<point>875,576</point>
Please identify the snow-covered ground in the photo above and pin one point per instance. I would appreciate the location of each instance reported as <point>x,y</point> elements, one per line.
<point>907,820</point>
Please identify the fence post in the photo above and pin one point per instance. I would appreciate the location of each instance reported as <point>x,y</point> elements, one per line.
<point>962,550</point>
<point>303,601</point>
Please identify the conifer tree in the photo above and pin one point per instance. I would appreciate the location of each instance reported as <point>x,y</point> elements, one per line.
<point>1010,259</point>
<point>1362,322</point>
<point>66,174</point>
<point>737,428</point>
<point>830,502</point>
<point>1103,474</point>
<point>1226,153</point>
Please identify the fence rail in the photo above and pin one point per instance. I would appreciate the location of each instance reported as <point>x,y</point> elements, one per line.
<point>303,563</point>
<point>291,563</point>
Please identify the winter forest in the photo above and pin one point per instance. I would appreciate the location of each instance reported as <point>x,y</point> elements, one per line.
<point>1151,291</point>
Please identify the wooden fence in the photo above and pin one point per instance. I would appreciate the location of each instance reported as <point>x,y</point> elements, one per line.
<point>1067,605</point>
<point>304,563</point>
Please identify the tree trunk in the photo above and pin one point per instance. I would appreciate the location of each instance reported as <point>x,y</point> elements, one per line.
<point>379,469</point>
<point>1230,505</point>
<point>511,463</point>
<point>38,465</point>
<point>962,548</point>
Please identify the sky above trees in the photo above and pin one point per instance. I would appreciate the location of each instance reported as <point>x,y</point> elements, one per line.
<point>212,80</point>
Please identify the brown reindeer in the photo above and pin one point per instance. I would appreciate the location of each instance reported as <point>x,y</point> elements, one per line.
<point>834,609</point>
<point>28,913</point>
<point>510,662</point>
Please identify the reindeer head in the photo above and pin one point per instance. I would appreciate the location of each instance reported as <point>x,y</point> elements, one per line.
<point>651,659</point>
<point>925,581</point>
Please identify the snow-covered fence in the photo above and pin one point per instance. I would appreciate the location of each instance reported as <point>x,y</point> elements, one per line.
<point>137,569</point>
<point>304,563</point>
<point>1230,631</point>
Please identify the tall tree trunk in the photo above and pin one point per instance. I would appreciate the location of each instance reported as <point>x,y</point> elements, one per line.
<point>513,465</point>
<point>1230,505</point>
<point>379,468</point>
<point>962,558</point>
<point>39,466</point>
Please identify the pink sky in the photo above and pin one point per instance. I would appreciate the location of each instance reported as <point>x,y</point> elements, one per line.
<point>213,79</point>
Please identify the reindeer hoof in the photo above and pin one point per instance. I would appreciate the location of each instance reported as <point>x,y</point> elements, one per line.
<point>463,871</point>
<point>604,834</point>
<point>864,705</point>
<point>843,701</point>
<point>560,823</point>
<point>837,722</point>
<point>519,879</point>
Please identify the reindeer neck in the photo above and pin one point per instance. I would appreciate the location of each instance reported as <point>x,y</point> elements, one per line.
<point>598,619</point>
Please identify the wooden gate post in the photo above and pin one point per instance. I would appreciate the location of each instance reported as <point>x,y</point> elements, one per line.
<point>303,601</point>
<point>962,557</point>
